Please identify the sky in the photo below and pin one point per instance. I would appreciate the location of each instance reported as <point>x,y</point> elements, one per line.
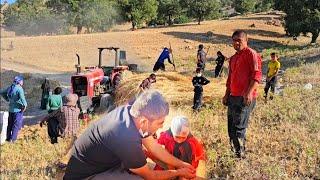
<point>9,1</point>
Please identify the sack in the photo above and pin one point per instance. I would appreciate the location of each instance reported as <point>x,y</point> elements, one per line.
<point>4,115</point>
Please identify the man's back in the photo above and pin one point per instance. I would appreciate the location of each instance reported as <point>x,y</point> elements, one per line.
<point>108,143</point>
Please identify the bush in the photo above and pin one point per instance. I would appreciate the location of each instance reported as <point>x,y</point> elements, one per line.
<point>182,19</point>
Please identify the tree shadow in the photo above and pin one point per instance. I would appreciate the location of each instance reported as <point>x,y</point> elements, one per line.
<point>264,33</point>
<point>256,44</point>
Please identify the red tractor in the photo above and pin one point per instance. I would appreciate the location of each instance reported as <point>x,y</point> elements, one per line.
<point>97,84</point>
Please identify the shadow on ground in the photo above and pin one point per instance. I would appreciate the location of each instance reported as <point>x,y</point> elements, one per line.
<point>256,44</point>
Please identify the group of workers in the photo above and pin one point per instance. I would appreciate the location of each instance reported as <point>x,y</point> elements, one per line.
<point>117,145</point>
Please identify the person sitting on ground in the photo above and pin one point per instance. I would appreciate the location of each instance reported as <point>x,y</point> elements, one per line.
<point>165,54</point>
<point>111,148</point>
<point>54,100</point>
<point>219,61</point>
<point>179,142</point>
<point>201,57</point>
<point>198,81</point>
<point>146,84</point>
<point>272,73</point>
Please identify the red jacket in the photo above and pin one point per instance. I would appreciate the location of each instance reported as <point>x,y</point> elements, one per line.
<point>244,66</point>
<point>198,153</point>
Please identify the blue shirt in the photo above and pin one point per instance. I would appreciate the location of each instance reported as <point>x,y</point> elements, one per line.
<point>17,101</point>
<point>164,55</point>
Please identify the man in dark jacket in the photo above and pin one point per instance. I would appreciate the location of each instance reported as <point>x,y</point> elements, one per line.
<point>201,57</point>
<point>198,81</point>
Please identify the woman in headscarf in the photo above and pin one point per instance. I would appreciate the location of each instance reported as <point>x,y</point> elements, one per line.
<point>45,86</point>
<point>17,105</point>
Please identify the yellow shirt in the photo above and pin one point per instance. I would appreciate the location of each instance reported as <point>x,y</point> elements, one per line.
<point>273,66</point>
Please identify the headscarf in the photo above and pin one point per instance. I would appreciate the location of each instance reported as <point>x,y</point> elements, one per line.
<point>16,81</point>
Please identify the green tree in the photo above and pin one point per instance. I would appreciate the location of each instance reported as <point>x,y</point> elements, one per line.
<point>302,16</point>
<point>201,9</point>
<point>244,6</point>
<point>264,5</point>
<point>32,18</point>
<point>138,11</point>
<point>95,15</point>
<point>168,10</point>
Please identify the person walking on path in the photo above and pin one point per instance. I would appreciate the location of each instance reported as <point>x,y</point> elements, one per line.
<point>272,73</point>
<point>17,105</point>
<point>198,81</point>
<point>241,92</point>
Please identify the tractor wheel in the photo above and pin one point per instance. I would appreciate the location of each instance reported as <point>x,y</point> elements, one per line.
<point>133,67</point>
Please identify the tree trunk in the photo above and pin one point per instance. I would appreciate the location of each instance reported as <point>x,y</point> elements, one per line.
<point>134,25</point>
<point>315,35</point>
<point>79,29</point>
<point>170,21</point>
<point>199,20</point>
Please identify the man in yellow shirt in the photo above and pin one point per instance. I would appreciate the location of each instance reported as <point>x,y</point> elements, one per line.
<point>273,69</point>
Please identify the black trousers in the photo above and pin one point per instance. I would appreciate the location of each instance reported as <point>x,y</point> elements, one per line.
<point>238,119</point>
<point>201,65</point>
<point>197,99</point>
<point>158,66</point>
<point>217,70</point>
<point>272,83</point>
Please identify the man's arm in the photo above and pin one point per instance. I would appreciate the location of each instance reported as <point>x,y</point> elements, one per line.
<point>23,99</point>
<point>228,91</point>
<point>160,153</point>
<point>147,173</point>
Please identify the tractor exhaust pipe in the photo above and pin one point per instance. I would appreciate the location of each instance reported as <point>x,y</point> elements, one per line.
<point>100,56</point>
<point>78,66</point>
<point>116,62</point>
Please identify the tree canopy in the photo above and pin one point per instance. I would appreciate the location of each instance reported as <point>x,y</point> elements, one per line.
<point>302,16</point>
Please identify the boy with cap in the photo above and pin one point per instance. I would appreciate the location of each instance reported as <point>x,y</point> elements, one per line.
<point>17,105</point>
<point>198,81</point>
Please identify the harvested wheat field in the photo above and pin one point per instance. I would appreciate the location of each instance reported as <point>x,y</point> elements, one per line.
<point>283,134</point>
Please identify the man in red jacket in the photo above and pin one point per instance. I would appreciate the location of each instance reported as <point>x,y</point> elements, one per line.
<point>240,97</point>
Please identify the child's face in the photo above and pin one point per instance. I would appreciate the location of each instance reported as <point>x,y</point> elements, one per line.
<point>182,136</point>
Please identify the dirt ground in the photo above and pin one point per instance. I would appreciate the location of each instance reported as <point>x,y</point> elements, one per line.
<point>57,53</point>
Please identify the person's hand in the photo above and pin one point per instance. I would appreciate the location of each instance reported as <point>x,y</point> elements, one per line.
<point>23,109</point>
<point>225,100</point>
<point>186,173</point>
<point>247,99</point>
<point>187,165</point>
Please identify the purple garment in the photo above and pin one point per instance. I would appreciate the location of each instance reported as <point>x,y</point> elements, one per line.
<point>15,122</point>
